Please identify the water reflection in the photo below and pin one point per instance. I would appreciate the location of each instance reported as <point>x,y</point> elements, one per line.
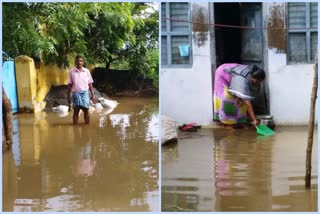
<point>245,172</point>
<point>85,160</point>
<point>62,167</point>
<point>187,173</point>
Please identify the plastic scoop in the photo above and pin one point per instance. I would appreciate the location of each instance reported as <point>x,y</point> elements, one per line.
<point>264,130</point>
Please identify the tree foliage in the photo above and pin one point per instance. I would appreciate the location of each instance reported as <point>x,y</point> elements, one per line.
<point>113,27</point>
<point>145,44</point>
<point>103,33</point>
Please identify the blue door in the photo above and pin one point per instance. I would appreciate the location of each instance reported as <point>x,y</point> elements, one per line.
<point>9,81</point>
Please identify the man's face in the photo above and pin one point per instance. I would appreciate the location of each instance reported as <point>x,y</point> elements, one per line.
<point>79,62</point>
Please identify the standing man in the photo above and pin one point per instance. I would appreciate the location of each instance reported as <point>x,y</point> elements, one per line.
<point>79,84</point>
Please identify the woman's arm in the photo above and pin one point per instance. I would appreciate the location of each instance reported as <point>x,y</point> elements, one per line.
<point>251,112</point>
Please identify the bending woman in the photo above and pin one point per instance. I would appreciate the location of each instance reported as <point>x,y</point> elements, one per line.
<point>233,93</point>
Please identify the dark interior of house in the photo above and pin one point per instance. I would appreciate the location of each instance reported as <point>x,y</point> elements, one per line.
<point>228,40</point>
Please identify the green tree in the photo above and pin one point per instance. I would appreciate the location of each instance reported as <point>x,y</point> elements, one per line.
<point>20,31</point>
<point>104,33</point>
<point>142,53</point>
<point>113,28</point>
<point>52,32</point>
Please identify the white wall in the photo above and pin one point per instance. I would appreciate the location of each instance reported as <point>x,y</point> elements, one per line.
<point>186,93</point>
<point>290,90</point>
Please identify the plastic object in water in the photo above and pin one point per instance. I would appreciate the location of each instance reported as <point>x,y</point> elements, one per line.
<point>264,130</point>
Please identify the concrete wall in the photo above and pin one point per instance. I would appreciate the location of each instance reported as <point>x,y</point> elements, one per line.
<point>186,93</point>
<point>290,90</point>
<point>49,75</point>
<point>26,82</point>
<point>289,85</point>
<point>33,83</point>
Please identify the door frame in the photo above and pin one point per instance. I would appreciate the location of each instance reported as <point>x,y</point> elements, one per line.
<point>264,49</point>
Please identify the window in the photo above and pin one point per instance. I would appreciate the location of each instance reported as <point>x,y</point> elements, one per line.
<point>175,35</point>
<point>302,32</point>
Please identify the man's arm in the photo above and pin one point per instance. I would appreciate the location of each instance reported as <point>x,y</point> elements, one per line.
<point>69,93</point>
<point>92,93</point>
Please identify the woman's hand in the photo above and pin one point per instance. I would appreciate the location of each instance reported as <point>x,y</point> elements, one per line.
<point>251,113</point>
<point>255,122</point>
<point>238,102</point>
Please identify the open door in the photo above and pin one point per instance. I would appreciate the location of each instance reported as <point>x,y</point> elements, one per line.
<point>241,45</point>
<point>251,38</point>
<point>252,46</point>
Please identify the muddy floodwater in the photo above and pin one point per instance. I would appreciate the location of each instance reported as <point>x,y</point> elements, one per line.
<point>110,165</point>
<point>237,170</point>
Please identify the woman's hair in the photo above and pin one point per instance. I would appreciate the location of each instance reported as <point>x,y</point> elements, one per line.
<point>258,74</point>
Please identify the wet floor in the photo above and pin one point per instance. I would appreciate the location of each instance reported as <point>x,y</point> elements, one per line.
<point>110,165</point>
<point>236,170</point>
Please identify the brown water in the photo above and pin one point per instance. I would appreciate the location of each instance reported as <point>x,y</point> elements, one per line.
<point>110,165</point>
<point>236,170</point>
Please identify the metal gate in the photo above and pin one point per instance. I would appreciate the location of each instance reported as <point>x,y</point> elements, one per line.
<point>9,80</point>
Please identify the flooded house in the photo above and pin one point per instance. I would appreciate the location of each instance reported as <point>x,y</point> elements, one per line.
<point>219,169</point>
<point>196,38</point>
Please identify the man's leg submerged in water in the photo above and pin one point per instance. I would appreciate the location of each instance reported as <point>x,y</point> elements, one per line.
<point>76,111</point>
<point>86,115</point>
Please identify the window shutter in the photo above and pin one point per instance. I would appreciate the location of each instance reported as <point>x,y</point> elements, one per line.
<point>164,53</point>
<point>314,15</point>
<point>302,31</point>
<point>175,32</point>
<point>314,45</point>
<point>297,47</point>
<point>296,15</point>
<point>176,57</point>
<point>163,18</point>
<point>179,11</point>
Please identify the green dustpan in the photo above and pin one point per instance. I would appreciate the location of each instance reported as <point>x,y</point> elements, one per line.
<point>264,130</point>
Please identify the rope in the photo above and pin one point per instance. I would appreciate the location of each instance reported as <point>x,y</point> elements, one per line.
<point>238,26</point>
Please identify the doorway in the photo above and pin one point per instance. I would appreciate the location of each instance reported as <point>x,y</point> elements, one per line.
<point>237,44</point>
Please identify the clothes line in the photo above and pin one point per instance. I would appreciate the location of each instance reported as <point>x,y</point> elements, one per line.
<point>239,26</point>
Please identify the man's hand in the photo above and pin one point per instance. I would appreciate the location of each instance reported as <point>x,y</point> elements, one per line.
<point>69,99</point>
<point>69,93</point>
<point>93,98</point>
